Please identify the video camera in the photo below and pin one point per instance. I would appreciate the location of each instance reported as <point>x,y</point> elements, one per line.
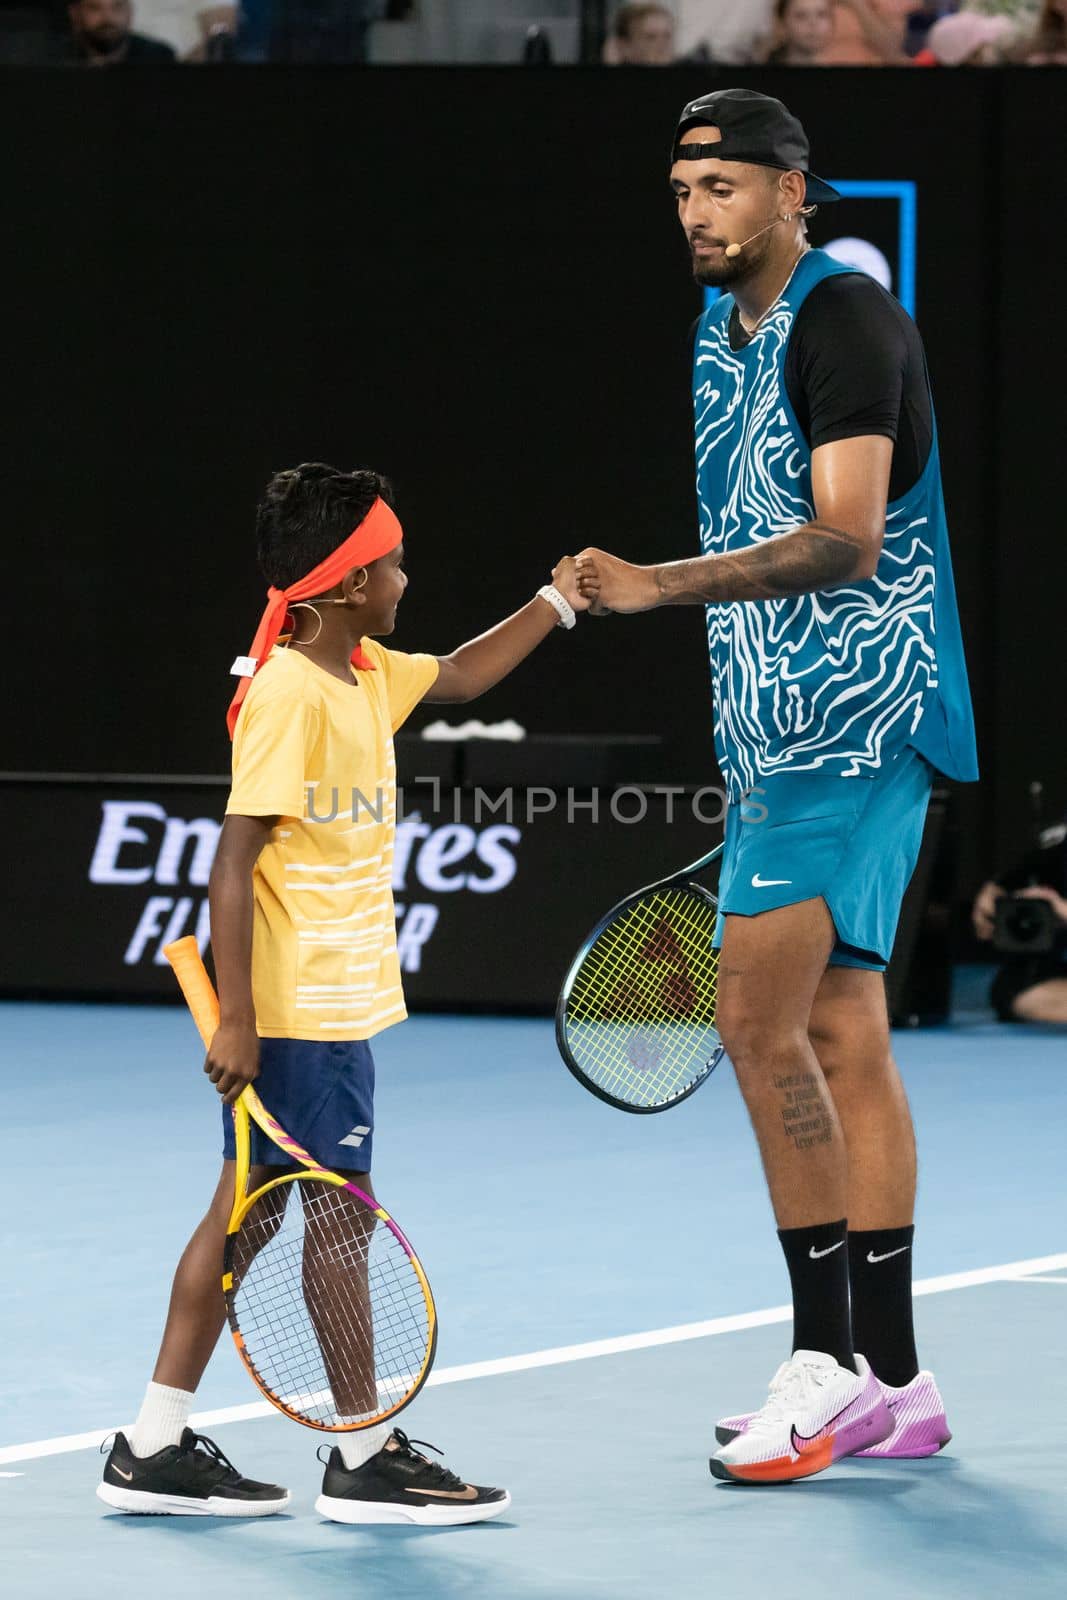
<point>1022,926</point>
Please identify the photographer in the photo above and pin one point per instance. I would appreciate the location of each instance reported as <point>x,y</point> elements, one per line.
<point>1024,914</point>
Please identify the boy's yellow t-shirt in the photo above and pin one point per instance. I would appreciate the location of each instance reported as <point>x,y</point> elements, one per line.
<point>318,754</point>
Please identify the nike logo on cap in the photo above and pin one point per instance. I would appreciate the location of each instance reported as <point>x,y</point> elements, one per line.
<point>874,1260</point>
<point>817,1255</point>
<point>768,883</point>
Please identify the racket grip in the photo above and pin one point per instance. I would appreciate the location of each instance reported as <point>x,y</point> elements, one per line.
<point>196,986</point>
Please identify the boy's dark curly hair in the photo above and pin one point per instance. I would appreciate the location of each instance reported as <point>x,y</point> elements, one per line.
<point>306,512</point>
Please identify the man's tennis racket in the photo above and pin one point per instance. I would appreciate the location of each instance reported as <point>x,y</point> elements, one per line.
<point>635,1020</point>
<point>328,1304</point>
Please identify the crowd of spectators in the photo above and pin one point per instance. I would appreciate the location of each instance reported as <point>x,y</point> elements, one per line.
<point>116,33</point>
<point>647,33</point>
<point>825,33</point>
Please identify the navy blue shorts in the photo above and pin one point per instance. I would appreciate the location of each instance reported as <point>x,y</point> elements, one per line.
<point>322,1092</point>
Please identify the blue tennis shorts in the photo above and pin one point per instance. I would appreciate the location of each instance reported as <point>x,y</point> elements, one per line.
<point>852,841</point>
<point>322,1092</point>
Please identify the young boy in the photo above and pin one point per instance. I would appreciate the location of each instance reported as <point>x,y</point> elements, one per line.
<point>304,939</point>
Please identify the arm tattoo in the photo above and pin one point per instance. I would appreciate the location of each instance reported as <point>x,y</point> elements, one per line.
<point>816,556</point>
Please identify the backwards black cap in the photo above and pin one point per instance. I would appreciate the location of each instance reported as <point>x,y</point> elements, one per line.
<point>754,127</point>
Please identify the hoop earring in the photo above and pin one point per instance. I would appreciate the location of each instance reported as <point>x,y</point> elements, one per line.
<point>305,605</point>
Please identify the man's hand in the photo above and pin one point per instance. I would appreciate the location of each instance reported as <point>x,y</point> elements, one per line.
<point>565,578</point>
<point>233,1059</point>
<point>984,910</point>
<point>1056,901</point>
<point>608,584</point>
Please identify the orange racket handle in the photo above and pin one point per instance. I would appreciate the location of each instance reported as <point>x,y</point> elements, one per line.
<point>203,1003</point>
<point>196,986</point>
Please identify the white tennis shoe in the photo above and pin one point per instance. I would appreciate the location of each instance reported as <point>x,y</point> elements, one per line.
<point>816,1412</point>
<point>921,1427</point>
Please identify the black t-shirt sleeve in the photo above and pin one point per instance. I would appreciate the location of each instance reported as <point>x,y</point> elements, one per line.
<point>855,366</point>
<point>848,356</point>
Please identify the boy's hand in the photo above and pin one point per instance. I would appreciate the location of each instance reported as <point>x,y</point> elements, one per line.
<point>608,584</point>
<point>480,663</point>
<point>565,578</point>
<point>233,1060</point>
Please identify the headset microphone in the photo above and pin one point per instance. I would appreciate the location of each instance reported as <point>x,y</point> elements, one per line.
<point>732,251</point>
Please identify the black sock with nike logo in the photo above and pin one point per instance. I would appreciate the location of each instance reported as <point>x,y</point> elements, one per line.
<point>817,1259</point>
<point>879,1265</point>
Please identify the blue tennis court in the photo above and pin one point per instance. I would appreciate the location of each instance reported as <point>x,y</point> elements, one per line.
<point>607,1286</point>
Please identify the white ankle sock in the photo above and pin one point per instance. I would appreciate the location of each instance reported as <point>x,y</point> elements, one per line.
<point>162,1419</point>
<point>358,1447</point>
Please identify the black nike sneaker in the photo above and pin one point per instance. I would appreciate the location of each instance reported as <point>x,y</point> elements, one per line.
<point>190,1479</point>
<point>401,1485</point>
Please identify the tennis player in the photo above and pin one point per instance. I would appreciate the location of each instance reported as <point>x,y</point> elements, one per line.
<point>304,939</point>
<point>840,689</point>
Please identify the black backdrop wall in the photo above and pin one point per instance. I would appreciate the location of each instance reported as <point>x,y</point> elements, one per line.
<point>473,281</point>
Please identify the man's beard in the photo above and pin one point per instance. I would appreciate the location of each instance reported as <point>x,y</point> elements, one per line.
<point>717,274</point>
<point>104,41</point>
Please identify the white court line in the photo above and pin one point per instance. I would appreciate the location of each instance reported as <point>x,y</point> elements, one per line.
<point>1036,1278</point>
<point>562,1354</point>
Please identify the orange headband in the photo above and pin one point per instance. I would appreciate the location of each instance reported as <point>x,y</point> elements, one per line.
<point>376,535</point>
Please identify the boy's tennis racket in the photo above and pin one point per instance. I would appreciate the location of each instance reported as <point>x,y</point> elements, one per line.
<point>328,1304</point>
<point>635,1020</point>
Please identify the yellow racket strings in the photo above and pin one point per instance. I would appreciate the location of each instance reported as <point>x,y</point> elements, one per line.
<point>640,1018</point>
<point>328,1304</point>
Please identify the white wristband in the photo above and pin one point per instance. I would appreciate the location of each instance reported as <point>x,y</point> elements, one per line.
<point>567,618</point>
